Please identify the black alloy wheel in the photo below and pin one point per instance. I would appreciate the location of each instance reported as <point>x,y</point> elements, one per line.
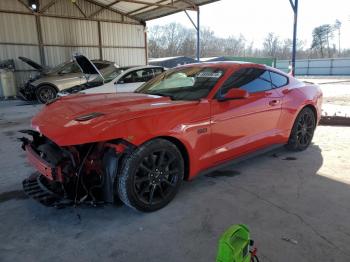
<point>151,176</point>
<point>303,130</point>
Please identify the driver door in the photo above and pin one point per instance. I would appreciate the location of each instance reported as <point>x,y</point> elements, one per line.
<point>243,125</point>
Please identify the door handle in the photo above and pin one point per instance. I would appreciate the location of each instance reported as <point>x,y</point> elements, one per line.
<point>286,91</point>
<point>274,102</point>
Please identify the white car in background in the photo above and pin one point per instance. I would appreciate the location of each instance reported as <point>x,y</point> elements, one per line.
<point>122,79</point>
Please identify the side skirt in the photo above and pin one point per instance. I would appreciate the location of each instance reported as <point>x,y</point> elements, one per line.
<point>241,159</point>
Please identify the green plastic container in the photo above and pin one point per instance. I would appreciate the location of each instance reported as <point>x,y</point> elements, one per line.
<point>234,245</point>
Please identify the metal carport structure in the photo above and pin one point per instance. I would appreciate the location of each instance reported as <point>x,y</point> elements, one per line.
<point>105,29</point>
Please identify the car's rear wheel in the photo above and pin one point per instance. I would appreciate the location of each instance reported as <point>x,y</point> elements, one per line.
<point>302,131</point>
<point>151,176</point>
<point>46,93</point>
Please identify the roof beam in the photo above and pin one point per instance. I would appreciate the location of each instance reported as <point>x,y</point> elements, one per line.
<point>47,6</point>
<point>103,8</point>
<point>177,10</point>
<point>111,9</point>
<point>80,10</point>
<point>145,7</point>
<point>149,4</point>
<point>190,3</point>
<point>26,6</point>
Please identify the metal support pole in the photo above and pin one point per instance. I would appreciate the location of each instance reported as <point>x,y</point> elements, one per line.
<point>40,40</point>
<point>295,10</point>
<point>198,36</point>
<point>146,45</point>
<point>99,40</point>
<point>198,30</point>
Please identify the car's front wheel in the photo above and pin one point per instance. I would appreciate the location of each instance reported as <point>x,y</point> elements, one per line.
<point>46,93</point>
<point>302,131</point>
<point>151,175</point>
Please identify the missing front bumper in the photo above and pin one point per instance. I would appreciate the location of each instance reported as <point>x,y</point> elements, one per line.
<point>37,187</point>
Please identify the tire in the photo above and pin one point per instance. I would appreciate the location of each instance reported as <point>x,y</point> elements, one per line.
<point>151,176</point>
<point>302,131</point>
<point>46,93</point>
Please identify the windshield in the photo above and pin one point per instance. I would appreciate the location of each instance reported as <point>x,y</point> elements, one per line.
<point>187,83</point>
<point>108,76</point>
<point>59,67</point>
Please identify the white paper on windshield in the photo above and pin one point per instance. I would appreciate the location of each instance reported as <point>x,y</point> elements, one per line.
<point>209,74</point>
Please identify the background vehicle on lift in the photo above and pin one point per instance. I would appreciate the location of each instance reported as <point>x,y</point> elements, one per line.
<point>45,85</point>
<point>189,120</point>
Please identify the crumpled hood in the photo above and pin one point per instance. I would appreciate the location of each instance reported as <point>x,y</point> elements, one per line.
<point>59,121</point>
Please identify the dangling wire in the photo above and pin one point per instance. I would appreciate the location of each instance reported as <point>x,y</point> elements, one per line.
<point>79,173</point>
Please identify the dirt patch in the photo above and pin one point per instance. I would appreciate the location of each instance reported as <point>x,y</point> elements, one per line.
<point>4,123</point>
<point>224,173</point>
<point>15,194</point>
<point>9,133</point>
<point>335,121</point>
<point>290,158</point>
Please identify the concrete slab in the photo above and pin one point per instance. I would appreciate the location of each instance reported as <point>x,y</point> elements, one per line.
<point>302,196</point>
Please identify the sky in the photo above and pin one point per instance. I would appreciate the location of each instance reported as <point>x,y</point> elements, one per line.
<point>255,18</point>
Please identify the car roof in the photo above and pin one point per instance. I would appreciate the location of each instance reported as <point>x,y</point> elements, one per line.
<point>235,64</point>
<point>131,68</point>
<point>101,61</point>
<point>226,64</point>
<point>144,66</point>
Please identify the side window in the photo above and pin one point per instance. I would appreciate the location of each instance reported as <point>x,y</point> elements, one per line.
<point>278,80</point>
<point>75,68</point>
<point>135,76</point>
<point>157,71</point>
<point>129,78</point>
<point>252,80</point>
<point>70,68</point>
<point>66,69</point>
<point>147,75</point>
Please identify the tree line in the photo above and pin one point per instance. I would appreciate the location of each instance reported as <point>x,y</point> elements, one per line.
<point>176,40</point>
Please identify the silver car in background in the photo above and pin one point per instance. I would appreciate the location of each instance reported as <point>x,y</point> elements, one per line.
<point>49,82</point>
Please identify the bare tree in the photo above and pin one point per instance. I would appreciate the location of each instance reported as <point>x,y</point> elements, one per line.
<point>271,45</point>
<point>235,46</point>
<point>321,36</point>
<point>176,40</point>
<point>337,26</point>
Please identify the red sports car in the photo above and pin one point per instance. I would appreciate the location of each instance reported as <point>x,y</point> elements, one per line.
<point>138,147</point>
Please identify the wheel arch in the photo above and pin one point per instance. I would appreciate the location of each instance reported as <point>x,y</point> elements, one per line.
<point>183,150</point>
<point>313,108</point>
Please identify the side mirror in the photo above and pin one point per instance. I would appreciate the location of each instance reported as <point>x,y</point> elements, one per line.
<point>234,93</point>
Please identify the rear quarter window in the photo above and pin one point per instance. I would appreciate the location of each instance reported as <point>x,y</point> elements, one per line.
<point>278,80</point>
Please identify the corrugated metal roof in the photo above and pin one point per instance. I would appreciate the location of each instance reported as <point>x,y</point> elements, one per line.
<point>144,10</point>
<point>133,11</point>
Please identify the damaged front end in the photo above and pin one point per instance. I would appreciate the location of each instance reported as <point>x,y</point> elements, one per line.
<point>74,174</point>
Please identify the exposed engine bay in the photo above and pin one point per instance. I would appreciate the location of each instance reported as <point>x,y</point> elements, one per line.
<point>75,174</point>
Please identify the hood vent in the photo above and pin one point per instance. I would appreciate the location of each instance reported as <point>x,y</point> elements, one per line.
<point>88,116</point>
